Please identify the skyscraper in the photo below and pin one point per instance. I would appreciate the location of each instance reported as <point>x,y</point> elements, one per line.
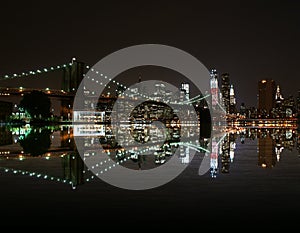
<point>266,97</point>
<point>278,97</point>
<point>225,90</point>
<point>232,102</point>
<point>214,87</point>
<point>186,88</point>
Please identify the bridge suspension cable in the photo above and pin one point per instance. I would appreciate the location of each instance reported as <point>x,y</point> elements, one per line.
<point>35,72</point>
<point>196,98</point>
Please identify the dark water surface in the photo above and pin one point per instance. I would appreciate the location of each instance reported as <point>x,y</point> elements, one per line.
<point>260,187</point>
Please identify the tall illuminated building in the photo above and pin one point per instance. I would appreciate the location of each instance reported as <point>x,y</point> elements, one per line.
<point>266,97</point>
<point>278,97</point>
<point>186,88</point>
<point>225,90</point>
<point>214,89</point>
<point>232,101</point>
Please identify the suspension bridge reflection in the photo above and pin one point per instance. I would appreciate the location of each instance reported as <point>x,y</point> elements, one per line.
<point>50,153</point>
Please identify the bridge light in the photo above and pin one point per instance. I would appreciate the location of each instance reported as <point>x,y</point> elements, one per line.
<point>45,70</point>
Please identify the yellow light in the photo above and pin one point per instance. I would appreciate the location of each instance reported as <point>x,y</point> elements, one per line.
<point>264,165</point>
<point>263,81</point>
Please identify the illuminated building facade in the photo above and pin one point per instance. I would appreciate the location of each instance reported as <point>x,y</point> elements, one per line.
<point>289,107</point>
<point>225,90</point>
<point>232,101</point>
<point>186,88</point>
<point>214,89</point>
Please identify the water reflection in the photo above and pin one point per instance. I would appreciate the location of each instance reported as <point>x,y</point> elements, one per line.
<point>50,152</point>
<point>37,142</point>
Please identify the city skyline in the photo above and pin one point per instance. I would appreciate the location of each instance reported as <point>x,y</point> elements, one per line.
<point>250,42</point>
<point>159,153</point>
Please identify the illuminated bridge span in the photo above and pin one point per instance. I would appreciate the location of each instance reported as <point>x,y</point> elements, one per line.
<point>73,74</point>
<point>5,91</point>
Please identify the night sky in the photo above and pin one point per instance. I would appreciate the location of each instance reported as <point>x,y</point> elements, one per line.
<point>251,40</point>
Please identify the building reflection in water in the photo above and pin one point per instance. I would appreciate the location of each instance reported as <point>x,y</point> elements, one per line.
<point>266,152</point>
<point>271,142</point>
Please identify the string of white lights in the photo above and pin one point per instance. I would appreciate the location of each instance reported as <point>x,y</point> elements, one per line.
<point>37,71</point>
<point>105,85</point>
<point>106,169</point>
<point>34,174</point>
<point>130,95</point>
<point>117,83</point>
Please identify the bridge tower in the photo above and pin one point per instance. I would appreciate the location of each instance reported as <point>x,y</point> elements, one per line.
<point>72,77</point>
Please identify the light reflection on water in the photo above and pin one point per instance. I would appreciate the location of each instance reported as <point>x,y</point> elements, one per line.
<point>50,152</point>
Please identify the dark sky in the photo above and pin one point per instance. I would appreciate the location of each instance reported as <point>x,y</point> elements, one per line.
<point>250,40</point>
